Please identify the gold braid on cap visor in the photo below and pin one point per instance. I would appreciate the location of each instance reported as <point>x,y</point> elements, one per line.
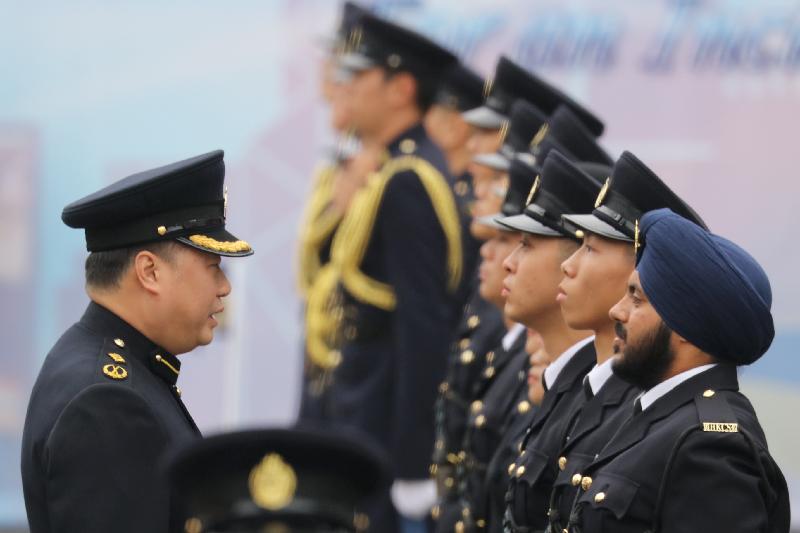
<point>220,246</point>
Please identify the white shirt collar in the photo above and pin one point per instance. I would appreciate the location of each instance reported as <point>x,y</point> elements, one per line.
<point>512,335</point>
<point>599,375</point>
<point>649,397</point>
<point>554,369</point>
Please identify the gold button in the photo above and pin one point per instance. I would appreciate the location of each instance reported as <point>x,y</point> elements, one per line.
<point>462,455</point>
<point>435,512</point>
<point>480,420</point>
<point>459,527</point>
<point>464,344</point>
<point>361,522</point>
<point>452,458</point>
<point>433,469</point>
<point>565,530</point>
<point>489,372</point>
<point>520,470</point>
<point>473,321</point>
<point>579,234</point>
<point>586,482</point>
<point>511,468</point>
<point>449,482</point>
<point>439,444</point>
<point>178,390</point>
<point>162,230</point>
<point>467,356</point>
<point>562,463</point>
<point>443,387</point>
<point>480,523</point>
<point>158,358</point>
<point>119,342</point>
<point>708,394</point>
<point>407,146</point>
<point>599,497</point>
<point>476,406</point>
<point>523,407</point>
<point>465,512</point>
<point>193,525</point>
<point>576,480</point>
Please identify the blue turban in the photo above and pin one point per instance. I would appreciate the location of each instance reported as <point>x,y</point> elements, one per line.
<point>705,288</point>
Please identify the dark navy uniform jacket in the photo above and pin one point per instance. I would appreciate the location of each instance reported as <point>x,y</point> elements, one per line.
<point>393,361</point>
<point>104,410</point>
<point>694,460</point>
<point>481,329</point>
<point>535,468</point>
<point>591,428</point>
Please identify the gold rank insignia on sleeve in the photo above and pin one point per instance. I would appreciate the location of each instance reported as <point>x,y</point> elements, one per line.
<point>115,371</point>
<point>272,482</point>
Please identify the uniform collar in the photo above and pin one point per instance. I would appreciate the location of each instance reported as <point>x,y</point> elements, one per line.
<point>598,375</point>
<point>649,397</point>
<point>554,369</point>
<point>129,340</point>
<point>512,335</point>
<point>408,141</point>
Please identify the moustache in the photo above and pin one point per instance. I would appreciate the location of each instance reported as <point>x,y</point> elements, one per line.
<point>620,331</point>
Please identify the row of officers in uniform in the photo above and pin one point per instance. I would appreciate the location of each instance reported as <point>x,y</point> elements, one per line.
<point>566,363</point>
<point>506,330</point>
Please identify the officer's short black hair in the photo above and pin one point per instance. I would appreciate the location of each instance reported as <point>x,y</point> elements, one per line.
<point>105,269</point>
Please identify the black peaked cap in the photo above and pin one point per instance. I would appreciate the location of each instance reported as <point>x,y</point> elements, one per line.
<point>184,201</point>
<point>512,82</point>
<point>305,477</point>
<point>632,190</point>
<point>560,189</point>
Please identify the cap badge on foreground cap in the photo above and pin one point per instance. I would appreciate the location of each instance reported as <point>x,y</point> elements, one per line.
<point>602,194</point>
<point>272,482</point>
<point>534,189</point>
<point>540,135</point>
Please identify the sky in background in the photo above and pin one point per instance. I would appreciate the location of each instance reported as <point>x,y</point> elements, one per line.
<point>706,92</point>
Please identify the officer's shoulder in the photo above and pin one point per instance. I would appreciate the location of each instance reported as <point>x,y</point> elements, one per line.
<point>112,363</point>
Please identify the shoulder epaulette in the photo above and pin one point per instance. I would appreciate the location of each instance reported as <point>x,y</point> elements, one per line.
<point>113,360</point>
<point>714,413</point>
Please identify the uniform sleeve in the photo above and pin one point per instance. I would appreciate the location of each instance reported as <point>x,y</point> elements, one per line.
<point>416,255</point>
<point>714,486</point>
<point>101,465</point>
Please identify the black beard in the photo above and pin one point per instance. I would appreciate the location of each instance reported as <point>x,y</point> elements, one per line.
<point>644,364</point>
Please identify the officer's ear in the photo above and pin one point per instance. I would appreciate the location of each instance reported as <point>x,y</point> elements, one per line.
<point>148,271</point>
<point>402,89</point>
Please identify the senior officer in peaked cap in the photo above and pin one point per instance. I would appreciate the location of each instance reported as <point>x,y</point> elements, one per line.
<point>396,265</point>
<point>692,456</point>
<point>106,404</point>
<point>299,480</point>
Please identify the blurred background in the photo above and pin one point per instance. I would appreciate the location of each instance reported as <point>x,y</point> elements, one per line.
<point>707,92</point>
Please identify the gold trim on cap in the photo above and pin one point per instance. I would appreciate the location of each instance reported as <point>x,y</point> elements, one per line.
<point>602,194</point>
<point>504,131</point>
<point>487,87</point>
<point>272,482</point>
<point>540,135</point>
<point>636,243</point>
<point>534,189</point>
<point>220,246</point>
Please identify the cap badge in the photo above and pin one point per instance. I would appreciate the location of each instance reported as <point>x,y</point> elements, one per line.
<point>115,372</point>
<point>540,135</point>
<point>272,482</point>
<point>602,194</point>
<point>534,189</point>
